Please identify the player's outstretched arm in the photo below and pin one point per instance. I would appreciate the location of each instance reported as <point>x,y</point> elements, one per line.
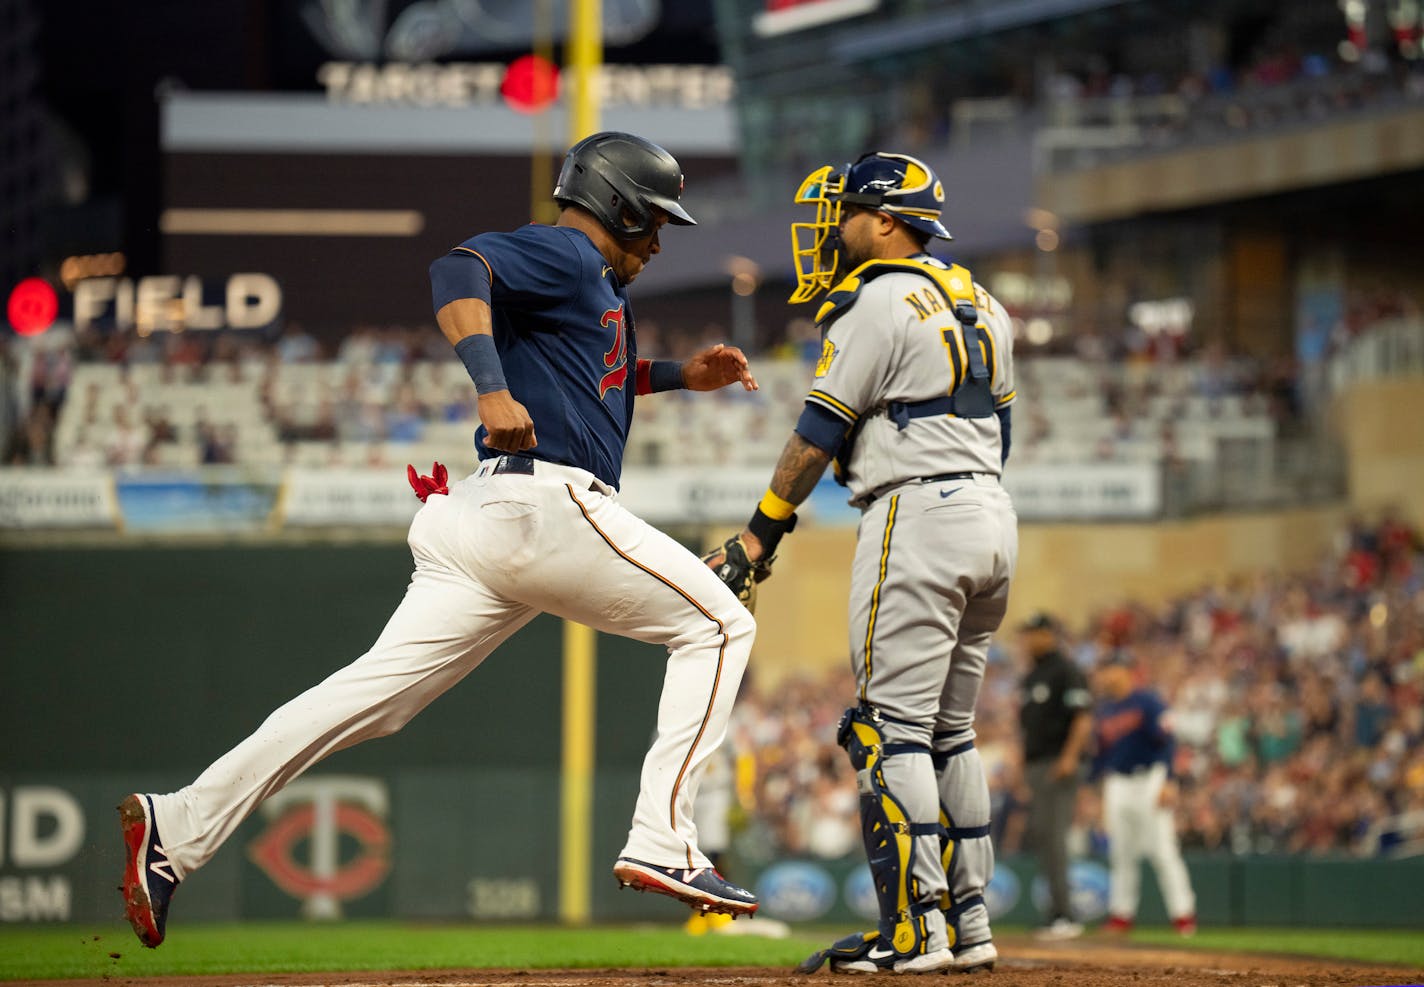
<point>744,560</point>
<point>717,366</point>
<point>796,475</point>
<point>466,323</point>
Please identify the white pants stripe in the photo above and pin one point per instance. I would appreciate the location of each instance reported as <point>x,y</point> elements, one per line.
<point>499,549</point>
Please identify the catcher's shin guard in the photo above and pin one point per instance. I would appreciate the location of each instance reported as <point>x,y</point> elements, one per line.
<point>855,946</point>
<point>909,917</point>
<point>966,849</point>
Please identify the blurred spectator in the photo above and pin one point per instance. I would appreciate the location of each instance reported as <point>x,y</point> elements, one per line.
<point>217,445</point>
<point>160,426</point>
<point>84,453</point>
<point>30,443</point>
<point>1372,711</point>
<point>127,439</point>
<point>1282,747</point>
<point>297,345</point>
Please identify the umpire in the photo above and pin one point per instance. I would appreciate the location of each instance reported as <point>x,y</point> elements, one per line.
<point>1055,714</point>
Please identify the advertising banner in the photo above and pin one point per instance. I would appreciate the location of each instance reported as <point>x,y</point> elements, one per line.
<point>47,498</point>
<point>693,496</point>
<point>342,497</point>
<point>209,500</point>
<point>330,845</point>
<point>229,500</point>
<point>1084,491</point>
<point>1078,492</point>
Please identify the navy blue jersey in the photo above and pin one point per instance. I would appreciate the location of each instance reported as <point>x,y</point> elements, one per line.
<point>1131,734</point>
<point>565,338</point>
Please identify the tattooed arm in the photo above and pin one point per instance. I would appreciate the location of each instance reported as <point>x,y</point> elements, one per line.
<point>797,472</point>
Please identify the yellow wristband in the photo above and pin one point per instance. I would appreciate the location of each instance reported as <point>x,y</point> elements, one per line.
<point>775,507</point>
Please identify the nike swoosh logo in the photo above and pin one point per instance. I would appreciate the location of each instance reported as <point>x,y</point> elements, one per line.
<point>948,493</point>
<point>879,954</point>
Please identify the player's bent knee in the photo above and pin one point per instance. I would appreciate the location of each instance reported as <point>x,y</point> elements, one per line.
<point>739,626</point>
<point>389,721</point>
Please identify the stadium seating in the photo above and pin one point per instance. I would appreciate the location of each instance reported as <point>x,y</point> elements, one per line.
<point>337,413</point>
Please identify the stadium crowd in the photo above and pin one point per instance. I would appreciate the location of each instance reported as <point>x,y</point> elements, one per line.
<point>1286,76</point>
<point>1297,701</point>
<point>35,385</point>
<point>1298,698</point>
<point>374,393</point>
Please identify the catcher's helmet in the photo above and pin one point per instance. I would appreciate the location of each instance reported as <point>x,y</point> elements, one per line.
<point>903,186</point>
<point>898,184</point>
<point>620,178</point>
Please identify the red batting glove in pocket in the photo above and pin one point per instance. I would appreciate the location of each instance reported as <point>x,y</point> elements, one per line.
<point>424,486</point>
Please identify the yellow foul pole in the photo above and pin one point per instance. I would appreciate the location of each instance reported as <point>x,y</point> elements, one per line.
<point>542,209</point>
<point>585,54</point>
<point>585,57</point>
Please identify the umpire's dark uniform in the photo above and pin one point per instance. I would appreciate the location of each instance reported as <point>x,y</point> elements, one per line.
<point>1054,695</point>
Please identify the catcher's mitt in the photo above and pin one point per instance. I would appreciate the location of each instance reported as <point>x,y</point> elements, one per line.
<point>740,573</point>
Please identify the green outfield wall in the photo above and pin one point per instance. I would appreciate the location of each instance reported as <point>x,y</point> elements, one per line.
<point>132,669</point>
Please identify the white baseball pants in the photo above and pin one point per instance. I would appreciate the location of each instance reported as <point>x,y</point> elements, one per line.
<point>497,550</point>
<point>1138,827</point>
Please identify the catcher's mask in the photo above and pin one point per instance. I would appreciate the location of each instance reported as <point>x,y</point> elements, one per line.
<point>620,178</point>
<point>898,184</point>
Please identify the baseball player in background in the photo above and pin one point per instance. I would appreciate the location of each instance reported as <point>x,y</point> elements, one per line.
<point>911,402</point>
<point>541,319</point>
<point>1134,760</point>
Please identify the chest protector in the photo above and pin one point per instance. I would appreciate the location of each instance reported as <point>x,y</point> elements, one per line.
<point>971,396</point>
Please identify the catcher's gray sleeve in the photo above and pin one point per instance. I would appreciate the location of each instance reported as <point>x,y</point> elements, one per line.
<point>855,358</point>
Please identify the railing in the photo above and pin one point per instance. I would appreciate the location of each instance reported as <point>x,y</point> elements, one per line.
<point>1391,348</point>
<point>1079,132</point>
<point>1256,475</point>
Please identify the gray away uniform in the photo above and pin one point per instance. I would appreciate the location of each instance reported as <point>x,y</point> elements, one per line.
<point>935,554</point>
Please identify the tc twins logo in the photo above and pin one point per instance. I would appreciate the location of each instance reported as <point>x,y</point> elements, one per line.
<point>321,814</point>
<point>616,359</point>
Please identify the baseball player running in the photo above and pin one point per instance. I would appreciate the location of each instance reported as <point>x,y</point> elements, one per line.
<point>911,401</point>
<point>1134,759</point>
<point>541,319</point>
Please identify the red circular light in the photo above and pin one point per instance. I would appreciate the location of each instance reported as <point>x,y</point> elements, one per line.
<point>530,84</point>
<point>33,306</point>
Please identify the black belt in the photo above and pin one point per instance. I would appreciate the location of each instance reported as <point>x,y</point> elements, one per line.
<point>942,477</point>
<point>514,464</point>
<point>1140,769</point>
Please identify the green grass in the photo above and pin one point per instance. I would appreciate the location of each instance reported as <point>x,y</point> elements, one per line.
<point>265,947</point>
<point>261,947</point>
<point>1396,947</point>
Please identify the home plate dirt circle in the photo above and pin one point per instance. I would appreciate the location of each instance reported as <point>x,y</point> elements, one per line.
<point>1084,963</point>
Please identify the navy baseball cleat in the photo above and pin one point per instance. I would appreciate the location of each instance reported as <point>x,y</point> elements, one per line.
<point>148,875</point>
<point>701,887</point>
<point>869,952</point>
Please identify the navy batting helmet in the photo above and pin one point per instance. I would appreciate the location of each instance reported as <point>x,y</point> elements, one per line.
<point>620,178</point>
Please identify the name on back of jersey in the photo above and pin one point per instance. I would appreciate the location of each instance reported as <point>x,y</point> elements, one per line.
<point>926,302</point>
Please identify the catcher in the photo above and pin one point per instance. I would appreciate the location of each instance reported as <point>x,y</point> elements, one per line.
<point>911,402</point>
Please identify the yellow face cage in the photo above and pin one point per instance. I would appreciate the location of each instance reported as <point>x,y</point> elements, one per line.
<point>815,247</point>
